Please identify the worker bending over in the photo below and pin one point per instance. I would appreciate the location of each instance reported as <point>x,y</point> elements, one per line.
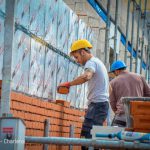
<point>126,84</point>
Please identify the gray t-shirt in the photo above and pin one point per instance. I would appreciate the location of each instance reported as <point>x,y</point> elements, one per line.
<point>98,85</point>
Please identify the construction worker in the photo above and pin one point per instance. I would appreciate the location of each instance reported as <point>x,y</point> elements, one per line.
<point>126,84</point>
<point>96,75</point>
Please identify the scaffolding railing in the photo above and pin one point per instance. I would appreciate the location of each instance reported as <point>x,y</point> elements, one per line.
<point>90,143</point>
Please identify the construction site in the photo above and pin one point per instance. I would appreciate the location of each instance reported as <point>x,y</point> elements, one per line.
<point>36,44</point>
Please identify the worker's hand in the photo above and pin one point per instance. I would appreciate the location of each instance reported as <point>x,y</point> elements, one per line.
<point>63,88</point>
<point>65,84</point>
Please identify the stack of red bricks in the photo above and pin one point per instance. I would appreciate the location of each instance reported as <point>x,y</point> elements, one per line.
<point>140,113</point>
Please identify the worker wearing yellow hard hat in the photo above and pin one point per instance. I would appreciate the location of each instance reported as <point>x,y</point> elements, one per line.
<point>95,74</point>
<point>80,50</point>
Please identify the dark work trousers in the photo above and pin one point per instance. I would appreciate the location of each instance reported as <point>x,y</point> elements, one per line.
<point>95,115</point>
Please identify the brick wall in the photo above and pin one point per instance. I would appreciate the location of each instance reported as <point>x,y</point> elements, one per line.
<point>34,112</point>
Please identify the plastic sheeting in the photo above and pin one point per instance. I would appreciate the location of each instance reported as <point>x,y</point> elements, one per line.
<point>49,88</point>
<point>73,28</point>
<point>38,68</point>
<point>82,30</point>
<point>61,73</point>
<point>51,17</point>
<point>22,12</point>
<point>92,36</point>
<point>63,27</point>
<point>80,95</point>
<point>37,18</point>
<point>1,44</point>
<point>36,76</point>
<point>2,5</point>
<point>20,64</point>
<point>73,72</point>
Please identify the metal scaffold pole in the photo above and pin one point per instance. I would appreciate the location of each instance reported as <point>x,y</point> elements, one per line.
<point>137,38</point>
<point>148,54</point>
<point>147,61</point>
<point>143,30</point>
<point>127,31</point>
<point>132,36</point>
<point>72,128</point>
<point>7,58</point>
<point>107,49</point>
<point>115,56</point>
<point>46,132</point>
<point>88,142</point>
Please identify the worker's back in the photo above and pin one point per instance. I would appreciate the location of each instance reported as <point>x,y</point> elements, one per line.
<point>127,84</point>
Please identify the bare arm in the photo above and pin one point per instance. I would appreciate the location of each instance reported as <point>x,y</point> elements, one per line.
<point>87,75</point>
<point>146,88</point>
<point>113,101</point>
<point>110,89</point>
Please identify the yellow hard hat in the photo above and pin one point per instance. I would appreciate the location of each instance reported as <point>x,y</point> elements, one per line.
<point>79,44</point>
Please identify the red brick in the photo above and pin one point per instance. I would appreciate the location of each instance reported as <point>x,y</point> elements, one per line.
<point>140,107</point>
<point>43,104</point>
<point>141,122</point>
<point>63,102</point>
<point>36,102</point>
<point>142,130</point>
<point>27,99</point>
